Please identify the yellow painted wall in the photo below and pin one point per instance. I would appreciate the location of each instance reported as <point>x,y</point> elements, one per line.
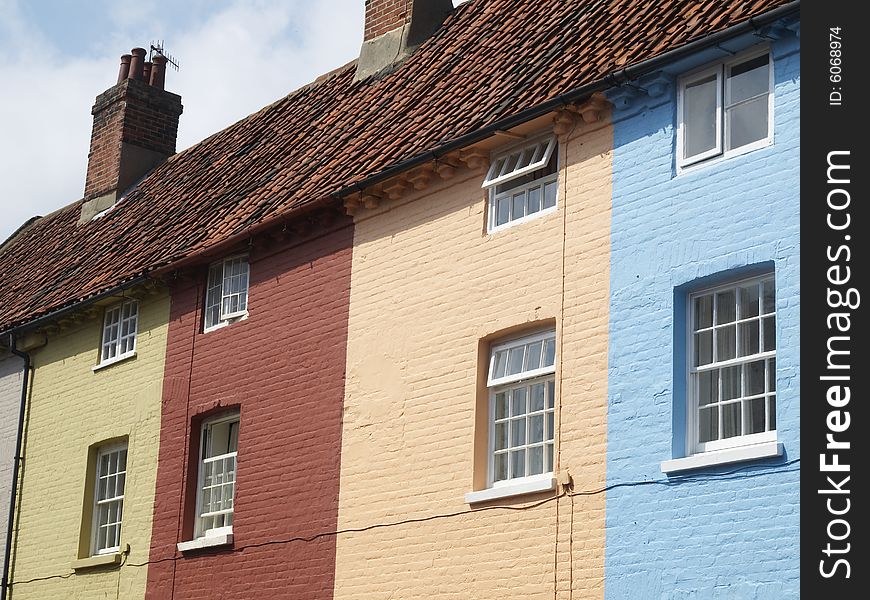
<point>428,284</point>
<point>71,408</point>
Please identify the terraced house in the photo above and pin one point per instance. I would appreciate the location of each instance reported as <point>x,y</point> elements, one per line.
<point>506,307</point>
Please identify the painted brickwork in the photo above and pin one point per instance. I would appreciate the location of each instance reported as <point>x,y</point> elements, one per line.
<point>283,367</point>
<point>72,408</point>
<point>428,285</point>
<point>11,368</point>
<point>699,536</point>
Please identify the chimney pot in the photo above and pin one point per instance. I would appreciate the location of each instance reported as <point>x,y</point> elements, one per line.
<point>158,71</point>
<point>137,63</point>
<point>124,72</point>
<point>146,72</point>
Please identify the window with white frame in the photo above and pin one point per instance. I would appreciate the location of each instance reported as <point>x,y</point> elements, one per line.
<point>111,475</point>
<point>219,443</point>
<point>226,297</point>
<point>119,331</point>
<point>725,109</point>
<point>522,387</point>
<point>522,183</point>
<point>732,374</point>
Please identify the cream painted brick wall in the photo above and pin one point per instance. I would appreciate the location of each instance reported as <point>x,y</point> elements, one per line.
<point>427,285</point>
<point>71,408</point>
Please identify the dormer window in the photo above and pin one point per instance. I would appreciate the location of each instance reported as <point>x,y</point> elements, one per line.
<point>522,183</point>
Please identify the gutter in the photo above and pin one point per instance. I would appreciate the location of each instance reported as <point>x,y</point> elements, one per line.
<point>57,313</point>
<point>611,80</point>
<point>17,459</point>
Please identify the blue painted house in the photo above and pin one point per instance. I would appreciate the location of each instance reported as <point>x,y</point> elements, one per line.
<point>703,416</point>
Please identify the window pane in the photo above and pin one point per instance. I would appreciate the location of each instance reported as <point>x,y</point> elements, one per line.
<point>768,296</point>
<point>533,358</point>
<point>501,441</point>
<point>536,460</point>
<point>549,352</point>
<point>703,312</point>
<point>703,348</point>
<point>748,301</point>
<point>731,382</point>
<point>699,116</point>
<point>501,406</point>
<point>731,420</point>
<point>548,457</point>
<point>518,463</point>
<point>550,194</point>
<point>755,378</point>
<point>771,414</point>
<point>769,333</point>
<point>537,399</point>
<point>550,428</point>
<point>534,200</point>
<point>726,307</point>
<point>503,212</point>
<point>500,364</point>
<point>500,467</point>
<point>746,123</point>
<point>708,387</point>
<point>748,338</point>
<point>515,361</point>
<point>518,432</point>
<point>726,343</point>
<point>518,401</point>
<point>519,206</point>
<point>755,419</point>
<point>708,424</point>
<point>551,394</point>
<point>748,79</point>
<point>536,429</point>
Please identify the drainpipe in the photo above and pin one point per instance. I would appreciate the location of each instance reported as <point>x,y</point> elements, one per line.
<point>6,584</point>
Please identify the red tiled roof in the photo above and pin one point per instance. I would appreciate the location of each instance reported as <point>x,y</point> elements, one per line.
<point>490,60</point>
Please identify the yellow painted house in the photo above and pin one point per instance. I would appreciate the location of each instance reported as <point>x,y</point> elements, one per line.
<point>469,449</point>
<point>90,458</point>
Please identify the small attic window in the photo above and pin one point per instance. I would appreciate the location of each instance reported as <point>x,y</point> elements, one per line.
<point>520,161</point>
<point>522,183</point>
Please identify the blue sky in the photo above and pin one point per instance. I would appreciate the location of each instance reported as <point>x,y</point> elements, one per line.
<point>236,56</point>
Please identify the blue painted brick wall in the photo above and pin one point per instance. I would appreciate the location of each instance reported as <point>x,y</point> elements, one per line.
<point>698,535</point>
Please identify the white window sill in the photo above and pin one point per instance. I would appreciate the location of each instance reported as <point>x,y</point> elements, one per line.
<point>228,321</point>
<point>210,541</point>
<point>723,457</point>
<point>111,361</point>
<point>96,561</point>
<point>527,485</point>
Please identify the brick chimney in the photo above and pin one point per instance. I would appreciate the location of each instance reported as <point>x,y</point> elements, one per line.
<point>395,28</point>
<point>135,126</point>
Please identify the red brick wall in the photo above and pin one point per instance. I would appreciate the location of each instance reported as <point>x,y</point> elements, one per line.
<point>385,15</point>
<point>284,368</point>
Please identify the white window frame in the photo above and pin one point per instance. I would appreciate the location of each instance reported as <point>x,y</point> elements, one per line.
<point>199,530</point>
<point>117,499</point>
<point>224,318</point>
<point>693,445</point>
<point>492,180</point>
<point>110,322</point>
<point>496,385</point>
<point>720,69</point>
